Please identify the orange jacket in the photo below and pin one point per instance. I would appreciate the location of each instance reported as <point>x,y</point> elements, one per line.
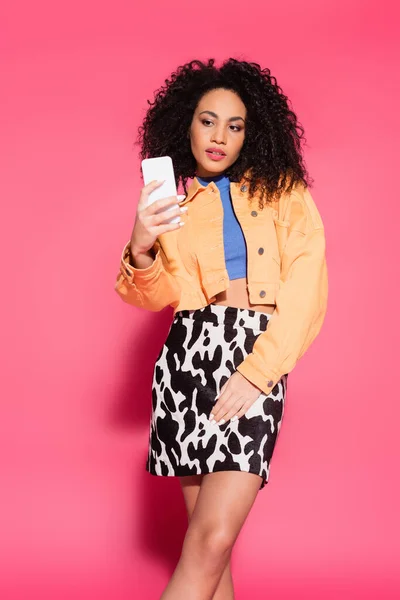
<point>286,266</point>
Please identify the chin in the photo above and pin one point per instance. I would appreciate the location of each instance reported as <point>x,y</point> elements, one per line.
<point>212,168</point>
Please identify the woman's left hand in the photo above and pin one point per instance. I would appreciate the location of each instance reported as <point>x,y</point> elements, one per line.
<point>235,398</point>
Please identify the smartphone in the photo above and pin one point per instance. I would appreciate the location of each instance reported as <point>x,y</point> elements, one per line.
<point>161,168</point>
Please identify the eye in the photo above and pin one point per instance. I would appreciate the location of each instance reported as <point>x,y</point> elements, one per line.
<point>204,121</point>
<point>236,128</point>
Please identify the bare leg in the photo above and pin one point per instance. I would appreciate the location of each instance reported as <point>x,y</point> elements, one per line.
<point>191,488</point>
<point>222,505</point>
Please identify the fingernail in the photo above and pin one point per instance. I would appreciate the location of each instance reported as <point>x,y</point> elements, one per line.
<point>211,416</point>
<point>183,208</point>
<point>221,422</point>
<point>181,197</point>
<point>213,421</point>
<point>235,418</point>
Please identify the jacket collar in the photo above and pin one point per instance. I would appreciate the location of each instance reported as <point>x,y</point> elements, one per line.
<point>196,187</point>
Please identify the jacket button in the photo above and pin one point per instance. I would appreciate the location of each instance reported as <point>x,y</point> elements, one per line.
<point>261,251</point>
<point>243,188</point>
<point>262,293</point>
<point>270,383</point>
<point>253,213</point>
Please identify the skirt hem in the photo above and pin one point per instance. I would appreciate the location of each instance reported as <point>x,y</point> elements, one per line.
<point>184,473</point>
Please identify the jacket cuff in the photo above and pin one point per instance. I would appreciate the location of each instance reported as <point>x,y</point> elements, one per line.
<point>132,273</point>
<point>262,378</point>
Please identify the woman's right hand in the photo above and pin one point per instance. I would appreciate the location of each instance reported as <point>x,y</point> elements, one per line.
<point>148,223</point>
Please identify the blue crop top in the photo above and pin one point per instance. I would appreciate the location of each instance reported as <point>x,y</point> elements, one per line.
<point>234,241</point>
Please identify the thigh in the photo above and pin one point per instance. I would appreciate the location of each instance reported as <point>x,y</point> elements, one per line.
<point>223,502</point>
<point>190,488</point>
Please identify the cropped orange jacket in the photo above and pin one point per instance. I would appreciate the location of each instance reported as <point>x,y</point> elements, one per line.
<point>286,266</point>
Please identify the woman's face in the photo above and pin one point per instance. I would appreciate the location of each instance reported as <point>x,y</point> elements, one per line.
<point>217,131</point>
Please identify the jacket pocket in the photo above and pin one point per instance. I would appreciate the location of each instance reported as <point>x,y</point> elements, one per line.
<point>282,234</point>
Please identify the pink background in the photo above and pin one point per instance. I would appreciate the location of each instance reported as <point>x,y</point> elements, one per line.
<point>80,517</point>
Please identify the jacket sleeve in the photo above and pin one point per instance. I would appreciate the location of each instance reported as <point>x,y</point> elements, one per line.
<point>152,288</point>
<point>301,300</point>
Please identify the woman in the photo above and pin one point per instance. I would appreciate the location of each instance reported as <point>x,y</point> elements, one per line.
<point>245,272</point>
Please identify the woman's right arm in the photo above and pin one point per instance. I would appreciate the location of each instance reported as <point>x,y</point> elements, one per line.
<point>143,280</point>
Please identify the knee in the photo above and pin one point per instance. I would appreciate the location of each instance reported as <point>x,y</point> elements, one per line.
<point>209,545</point>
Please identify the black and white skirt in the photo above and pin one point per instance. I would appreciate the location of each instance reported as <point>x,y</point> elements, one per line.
<point>202,350</point>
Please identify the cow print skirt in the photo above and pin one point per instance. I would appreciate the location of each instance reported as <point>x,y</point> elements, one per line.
<point>202,350</point>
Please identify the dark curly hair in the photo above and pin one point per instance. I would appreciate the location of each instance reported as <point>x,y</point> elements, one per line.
<point>271,151</point>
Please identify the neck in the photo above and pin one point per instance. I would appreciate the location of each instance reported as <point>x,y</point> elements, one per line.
<point>212,177</point>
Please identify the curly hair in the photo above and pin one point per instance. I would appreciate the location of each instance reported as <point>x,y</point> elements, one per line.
<point>271,151</point>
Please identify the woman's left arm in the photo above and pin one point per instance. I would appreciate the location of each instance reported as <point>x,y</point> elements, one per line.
<point>301,300</point>
<point>301,304</point>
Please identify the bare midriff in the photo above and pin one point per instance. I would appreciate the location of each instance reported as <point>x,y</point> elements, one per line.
<point>236,295</point>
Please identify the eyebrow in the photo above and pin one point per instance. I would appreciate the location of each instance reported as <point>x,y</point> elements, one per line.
<point>213,114</point>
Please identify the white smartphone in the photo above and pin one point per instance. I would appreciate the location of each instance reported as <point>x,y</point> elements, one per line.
<point>161,168</point>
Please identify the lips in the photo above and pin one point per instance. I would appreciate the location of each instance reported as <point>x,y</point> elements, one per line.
<point>216,152</point>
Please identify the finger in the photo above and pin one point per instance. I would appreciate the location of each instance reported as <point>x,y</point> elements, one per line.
<point>237,406</point>
<point>149,187</point>
<point>221,400</point>
<point>159,205</point>
<point>146,191</point>
<point>242,411</point>
<point>220,411</point>
<point>164,216</point>
<point>239,410</point>
<point>223,387</point>
<point>160,229</point>
<point>217,409</point>
<point>152,185</point>
<point>169,227</point>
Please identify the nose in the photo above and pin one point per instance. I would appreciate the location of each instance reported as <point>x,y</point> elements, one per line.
<point>219,134</point>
